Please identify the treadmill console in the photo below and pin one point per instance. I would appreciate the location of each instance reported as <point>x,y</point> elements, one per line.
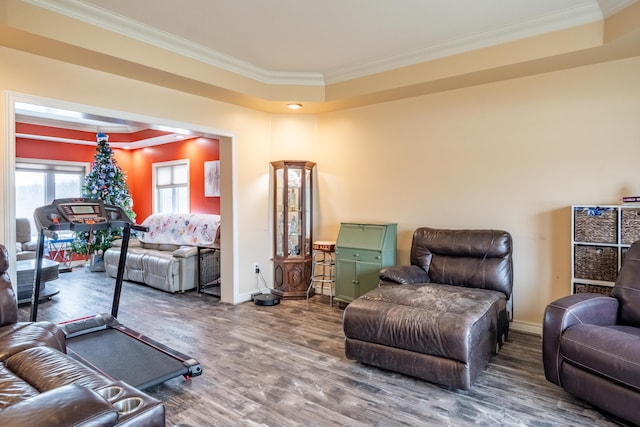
<point>80,214</point>
<point>85,212</point>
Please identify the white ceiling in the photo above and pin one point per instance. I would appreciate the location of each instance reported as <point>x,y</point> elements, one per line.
<point>318,42</point>
<point>326,41</point>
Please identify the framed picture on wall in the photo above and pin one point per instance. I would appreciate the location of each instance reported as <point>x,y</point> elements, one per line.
<point>212,178</point>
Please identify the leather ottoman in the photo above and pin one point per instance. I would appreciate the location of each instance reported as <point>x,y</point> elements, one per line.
<point>440,333</point>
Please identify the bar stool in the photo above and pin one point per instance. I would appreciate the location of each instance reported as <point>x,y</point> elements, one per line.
<point>322,267</point>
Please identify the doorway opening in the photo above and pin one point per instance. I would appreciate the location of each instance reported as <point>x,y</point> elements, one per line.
<point>17,108</point>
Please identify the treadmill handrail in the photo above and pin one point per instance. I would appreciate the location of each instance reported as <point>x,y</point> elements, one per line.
<point>122,259</point>
<point>35,292</point>
<point>124,247</point>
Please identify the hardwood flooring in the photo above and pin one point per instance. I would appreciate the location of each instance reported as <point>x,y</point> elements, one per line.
<point>285,366</point>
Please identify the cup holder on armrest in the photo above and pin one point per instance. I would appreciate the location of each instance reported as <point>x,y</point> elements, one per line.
<point>133,406</point>
<point>110,393</point>
<point>128,405</point>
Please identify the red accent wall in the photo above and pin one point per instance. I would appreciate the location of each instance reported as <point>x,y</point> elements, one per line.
<point>137,164</point>
<point>37,149</point>
<point>197,150</point>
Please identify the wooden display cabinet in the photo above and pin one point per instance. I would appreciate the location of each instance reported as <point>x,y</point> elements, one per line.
<point>293,225</point>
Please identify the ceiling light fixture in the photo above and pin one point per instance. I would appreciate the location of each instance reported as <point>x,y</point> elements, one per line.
<point>172,129</point>
<point>294,106</point>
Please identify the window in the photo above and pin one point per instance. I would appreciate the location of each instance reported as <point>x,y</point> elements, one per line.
<point>39,182</point>
<point>171,187</point>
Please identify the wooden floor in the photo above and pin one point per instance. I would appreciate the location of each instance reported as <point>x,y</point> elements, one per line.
<point>285,366</point>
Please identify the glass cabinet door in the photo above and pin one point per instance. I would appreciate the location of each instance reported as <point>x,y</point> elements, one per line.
<point>279,189</point>
<point>294,178</point>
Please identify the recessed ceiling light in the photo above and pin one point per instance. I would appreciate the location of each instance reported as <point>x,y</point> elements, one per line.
<point>171,129</point>
<point>294,106</point>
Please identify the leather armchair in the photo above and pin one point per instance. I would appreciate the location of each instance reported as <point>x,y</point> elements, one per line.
<point>442,317</point>
<point>25,247</point>
<point>591,343</point>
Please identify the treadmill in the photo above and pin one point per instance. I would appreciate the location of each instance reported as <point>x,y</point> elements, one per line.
<point>100,341</point>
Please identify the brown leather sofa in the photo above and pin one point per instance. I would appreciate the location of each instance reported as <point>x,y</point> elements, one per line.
<point>442,317</point>
<point>41,386</point>
<point>591,343</point>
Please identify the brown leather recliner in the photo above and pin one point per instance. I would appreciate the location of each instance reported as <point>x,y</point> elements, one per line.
<point>42,386</point>
<point>591,343</point>
<point>442,317</point>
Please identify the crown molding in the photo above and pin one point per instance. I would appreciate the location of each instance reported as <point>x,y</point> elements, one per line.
<point>611,7</point>
<point>107,20</point>
<point>571,17</point>
<point>567,18</point>
<point>133,145</point>
<point>44,120</point>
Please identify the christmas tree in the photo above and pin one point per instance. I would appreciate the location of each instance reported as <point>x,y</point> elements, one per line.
<point>107,182</point>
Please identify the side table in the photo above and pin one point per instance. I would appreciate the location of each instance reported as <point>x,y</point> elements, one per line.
<point>25,270</point>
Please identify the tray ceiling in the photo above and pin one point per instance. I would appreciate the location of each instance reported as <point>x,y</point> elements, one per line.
<point>328,41</point>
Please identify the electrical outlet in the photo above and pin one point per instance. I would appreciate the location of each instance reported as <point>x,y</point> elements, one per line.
<point>256,267</point>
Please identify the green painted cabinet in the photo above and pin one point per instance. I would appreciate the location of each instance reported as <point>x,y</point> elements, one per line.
<point>361,251</point>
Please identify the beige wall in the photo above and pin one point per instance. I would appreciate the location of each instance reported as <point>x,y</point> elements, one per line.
<point>512,155</point>
<point>247,239</point>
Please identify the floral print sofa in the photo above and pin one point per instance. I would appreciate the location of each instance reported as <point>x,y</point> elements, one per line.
<point>166,257</point>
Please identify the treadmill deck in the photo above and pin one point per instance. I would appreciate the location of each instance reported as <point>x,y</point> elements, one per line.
<point>125,358</point>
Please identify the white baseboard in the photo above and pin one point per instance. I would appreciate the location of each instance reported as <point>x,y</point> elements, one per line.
<point>530,328</point>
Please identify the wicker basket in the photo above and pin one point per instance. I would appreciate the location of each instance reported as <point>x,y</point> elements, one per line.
<point>579,288</point>
<point>630,227</point>
<point>597,225</point>
<point>596,263</point>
